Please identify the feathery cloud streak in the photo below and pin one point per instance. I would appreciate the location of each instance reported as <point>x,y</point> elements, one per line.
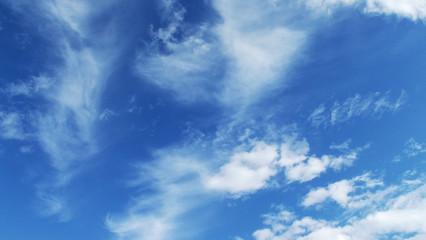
<point>357,106</point>
<point>71,88</point>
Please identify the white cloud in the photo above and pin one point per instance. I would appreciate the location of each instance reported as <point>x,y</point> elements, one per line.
<point>67,126</point>
<point>191,59</point>
<point>339,192</point>
<point>182,179</point>
<point>172,188</point>
<point>357,106</point>
<point>413,148</point>
<point>26,149</point>
<point>301,167</point>
<point>412,9</point>
<point>70,89</point>
<point>399,213</point>
<point>244,55</point>
<point>328,6</point>
<point>259,45</point>
<point>52,205</point>
<point>106,114</point>
<point>71,12</point>
<point>276,220</point>
<point>12,126</point>
<point>247,54</point>
<point>246,171</point>
<point>28,88</point>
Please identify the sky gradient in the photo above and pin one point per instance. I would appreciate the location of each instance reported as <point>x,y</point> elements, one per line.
<point>213,119</point>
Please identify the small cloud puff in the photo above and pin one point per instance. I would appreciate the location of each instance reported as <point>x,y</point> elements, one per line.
<point>339,191</point>
<point>12,126</point>
<point>412,148</point>
<point>246,171</point>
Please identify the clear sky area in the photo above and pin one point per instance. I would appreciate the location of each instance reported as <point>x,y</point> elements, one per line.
<point>212,119</point>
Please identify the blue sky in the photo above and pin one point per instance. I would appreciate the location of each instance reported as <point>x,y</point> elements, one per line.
<point>215,119</point>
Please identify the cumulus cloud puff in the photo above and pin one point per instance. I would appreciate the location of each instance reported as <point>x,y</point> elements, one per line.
<point>246,171</point>
<point>339,191</point>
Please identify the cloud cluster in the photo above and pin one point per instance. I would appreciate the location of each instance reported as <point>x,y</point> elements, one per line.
<point>245,55</point>
<point>339,192</point>
<point>182,179</point>
<point>303,168</point>
<point>234,62</point>
<point>412,148</point>
<point>250,171</point>
<point>399,214</point>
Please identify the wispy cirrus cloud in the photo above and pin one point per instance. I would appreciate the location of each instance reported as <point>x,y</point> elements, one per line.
<point>353,107</point>
<point>170,187</point>
<point>30,87</point>
<point>70,90</point>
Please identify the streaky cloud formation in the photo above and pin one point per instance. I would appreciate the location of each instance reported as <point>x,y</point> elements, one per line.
<point>170,188</point>
<point>72,88</point>
<point>372,105</point>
